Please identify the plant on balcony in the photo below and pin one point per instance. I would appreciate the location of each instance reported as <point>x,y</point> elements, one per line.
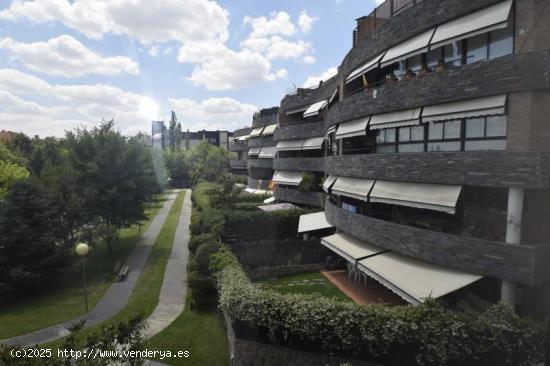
<point>309,182</point>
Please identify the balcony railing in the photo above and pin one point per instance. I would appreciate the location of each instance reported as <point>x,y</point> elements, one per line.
<point>383,12</point>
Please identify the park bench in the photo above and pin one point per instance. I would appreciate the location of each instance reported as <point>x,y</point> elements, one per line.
<point>123,273</point>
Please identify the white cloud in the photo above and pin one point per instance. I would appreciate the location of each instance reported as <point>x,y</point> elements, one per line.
<point>275,47</point>
<point>306,21</point>
<point>214,113</point>
<point>75,104</point>
<point>314,80</point>
<point>278,23</point>
<point>308,60</point>
<point>146,21</point>
<point>154,50</point>
<point>65,56</point>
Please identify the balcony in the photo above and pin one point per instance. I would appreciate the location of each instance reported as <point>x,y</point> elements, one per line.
<point>512,73</point>
<point>299,131</point>
<point>300,164</point>
<point>237,164</point>
<point>260,163</point>
<point>258,183</point>
<point>315,199</point>
<point>235,147</point>
<point>306,96</point>
<point>476,168</point>
<point>524,264</point>
<point>261,141</point>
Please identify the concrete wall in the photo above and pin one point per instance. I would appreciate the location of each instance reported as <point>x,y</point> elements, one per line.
<point>260,163</point>
<point>300,164</point>
<point>300,131</point>
<point>523,264</point>
<point>314,199</point>
<point>263,141</point>
<point>305,97</point>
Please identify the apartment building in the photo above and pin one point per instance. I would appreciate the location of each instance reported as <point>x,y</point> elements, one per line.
<point>432,145</point>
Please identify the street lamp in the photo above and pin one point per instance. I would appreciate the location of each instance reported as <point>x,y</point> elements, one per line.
<point>82,250</point>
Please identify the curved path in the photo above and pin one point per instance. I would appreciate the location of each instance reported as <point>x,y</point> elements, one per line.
<point>174,285</point>
<point>117,294</point>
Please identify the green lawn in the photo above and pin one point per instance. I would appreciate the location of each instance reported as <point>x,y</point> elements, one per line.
<point>145,296</point>
<point>64,301</point>
<point>200,333</point>
<point>303,283</point>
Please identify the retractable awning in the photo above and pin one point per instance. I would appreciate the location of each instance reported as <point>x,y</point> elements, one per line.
<point>411,47</point>
<point>357,127</point>
<point>296,110</point>
<point>256,132</point>
<point>333,95</point>
<point>314,109</point>
<point>352,187</point>
<point>484,20</point>
<point>437,197</point>
<point>368,66</point>
<point>254,150</point>
<point>329,181</point>
<point>269,200</point>
<point>268,152</point>
<point>350,247</point>
<point>313,221</point>
<point>283,206</point>
<point>290,145</point>
<point>408,117</point>
<point>412,279</point>
<point>479,107</point>
<point>314,143</point>
<point>287,177</point>
<point>268,130</point>
<point>242,138</point>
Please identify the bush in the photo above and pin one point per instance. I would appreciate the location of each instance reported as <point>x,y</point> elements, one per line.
<point>310,182</point>
<point>426,334</point>
<point>256,225</point>
<point>201,260</point>
<point>197,240</point>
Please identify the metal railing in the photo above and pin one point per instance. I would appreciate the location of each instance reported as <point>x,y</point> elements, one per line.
<point>383,12</point>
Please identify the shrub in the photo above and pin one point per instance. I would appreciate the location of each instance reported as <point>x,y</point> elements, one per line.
<point>197,240</point>
<point>426,334</point>
<point>310,182</point>
<point>201,260</point>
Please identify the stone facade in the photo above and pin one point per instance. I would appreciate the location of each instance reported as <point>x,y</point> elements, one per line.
<point>262,141</point>
<point>517,263</point>
<point>300,164</point>
<point>296,196</point>
<point>260,163</point>
<point>304,97</point>
<point>475,168</point>
<point>300,131</point>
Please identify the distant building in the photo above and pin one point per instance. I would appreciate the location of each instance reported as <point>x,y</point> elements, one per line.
<point>160,137</point>
<point>6,136</point>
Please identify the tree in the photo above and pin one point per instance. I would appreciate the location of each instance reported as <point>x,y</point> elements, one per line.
<point>29,250</point>
<point>10,171</point>
<point>172,137</point>
<point>208,162</point>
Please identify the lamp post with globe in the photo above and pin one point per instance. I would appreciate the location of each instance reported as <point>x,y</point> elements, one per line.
<point>82,250</point>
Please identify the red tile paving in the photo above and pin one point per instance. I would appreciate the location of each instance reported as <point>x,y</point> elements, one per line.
<point>360,292</point>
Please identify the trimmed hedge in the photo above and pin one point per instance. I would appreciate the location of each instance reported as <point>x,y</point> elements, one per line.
<point>426,334</point>
<point>257,225</point>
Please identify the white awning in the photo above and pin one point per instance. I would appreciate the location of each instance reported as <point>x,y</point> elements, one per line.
<point>314,143</point>
<point>283,206</point>
<point>269,200</point>
<point>330,130</point>
<point>290,145</point>
<point>242,138</point>
<point>357,127</point>
<point>350,247</point>
<point>329,181</point>
<point>313,221</point>
<point>353,187</point>
<point>268,152</point>
<point>412,279</point>
<point>268,130</point>
<point>333,95</point>
<point>437,197</point>
<point>254,150</point>
<point>408,117</point>
<point>249,190</point>
<point>370,65</point>
<point>256,132</point>
<point>314,109</point>
<point>484,20</point>
<point>287,177</point>
<point>479,107</point>
<point>296,110</point>
<point>411,47</point>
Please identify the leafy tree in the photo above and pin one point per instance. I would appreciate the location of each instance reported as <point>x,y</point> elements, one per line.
<point>208,162</point>
<point>29,250</point>
<point>10,171</point>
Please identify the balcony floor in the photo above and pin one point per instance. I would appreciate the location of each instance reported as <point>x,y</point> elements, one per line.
<point>360,292</point>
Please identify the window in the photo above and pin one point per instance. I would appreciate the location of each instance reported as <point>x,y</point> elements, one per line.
<point>411,139</point>
<point>385,140</point>
<point>487,133</point>
<point>348,207</point>
<point>414,63</point>
<point>452,53</point>
<point>444,136</point>
<point>476,48</point>
<point>501,42</point>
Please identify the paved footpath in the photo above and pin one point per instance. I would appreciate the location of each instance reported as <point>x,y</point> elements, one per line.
<point>117,294</point>
<point>174,285</point>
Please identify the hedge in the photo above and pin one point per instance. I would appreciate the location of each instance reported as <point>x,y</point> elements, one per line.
<point>256,225</point>
<point>426,334</point>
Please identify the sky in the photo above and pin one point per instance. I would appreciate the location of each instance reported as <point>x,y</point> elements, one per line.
<point>73,63</point>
